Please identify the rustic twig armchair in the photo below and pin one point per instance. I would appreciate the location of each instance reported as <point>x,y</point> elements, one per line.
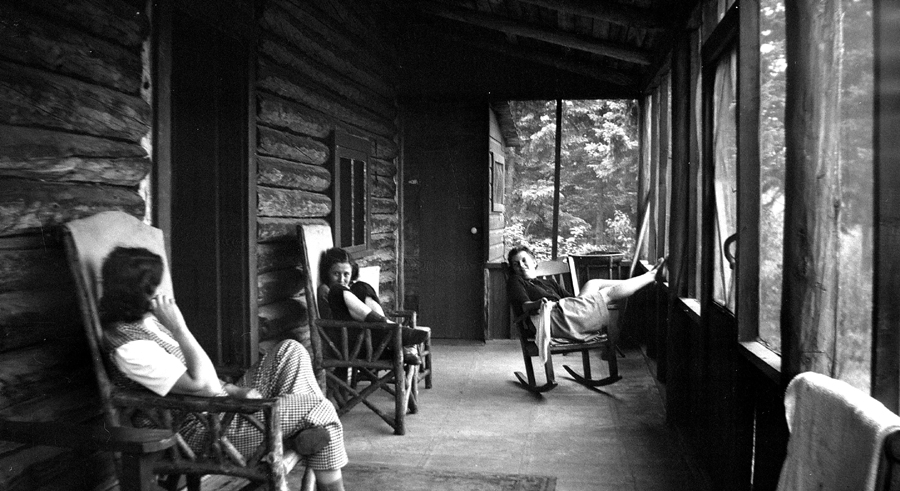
<point>561,272</point>
<point>347,347</point>
<point>88,242</point>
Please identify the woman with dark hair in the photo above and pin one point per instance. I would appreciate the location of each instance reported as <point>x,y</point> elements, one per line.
<point>352,300</point>
<point>149,345</point>
<point>575,318</point>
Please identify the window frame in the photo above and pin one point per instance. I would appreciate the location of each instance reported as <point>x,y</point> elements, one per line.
<point>347,146</point>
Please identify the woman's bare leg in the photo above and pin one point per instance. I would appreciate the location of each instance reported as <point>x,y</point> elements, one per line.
<point>613,290</point>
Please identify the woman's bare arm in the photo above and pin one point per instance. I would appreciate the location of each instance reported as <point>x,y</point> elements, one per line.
<point>201,377</point>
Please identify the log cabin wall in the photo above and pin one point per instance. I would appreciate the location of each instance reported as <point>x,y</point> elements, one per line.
<point>320,70</point>
<point>73,116</point>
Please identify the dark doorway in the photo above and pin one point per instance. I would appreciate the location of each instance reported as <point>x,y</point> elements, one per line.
<point>212,199</point>
<point>448,145</point>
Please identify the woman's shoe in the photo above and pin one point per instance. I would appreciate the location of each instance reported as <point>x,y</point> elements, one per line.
<point>661,274</point>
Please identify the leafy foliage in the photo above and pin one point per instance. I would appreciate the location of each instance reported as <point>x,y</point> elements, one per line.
<point>598,177</point>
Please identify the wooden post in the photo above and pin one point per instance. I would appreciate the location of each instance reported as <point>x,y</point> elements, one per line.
<point>812,187</point>
<point>886,282</point>
<point>556,178</point>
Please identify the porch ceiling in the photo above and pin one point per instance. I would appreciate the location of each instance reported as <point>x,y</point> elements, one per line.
<point>600,48</point>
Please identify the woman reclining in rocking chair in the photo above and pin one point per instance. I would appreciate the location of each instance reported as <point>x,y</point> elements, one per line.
<point>578,318</point>
<point>149,345</point>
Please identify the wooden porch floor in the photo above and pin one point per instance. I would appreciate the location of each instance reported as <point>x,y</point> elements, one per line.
<point>477,419</point>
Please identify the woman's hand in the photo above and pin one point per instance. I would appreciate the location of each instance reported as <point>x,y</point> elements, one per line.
<point>242,392</point>
<point>166,310</point>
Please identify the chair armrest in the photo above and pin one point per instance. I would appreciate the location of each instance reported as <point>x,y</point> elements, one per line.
<point>69,435</point>
<point>192,403</point>
<point>384,326</point>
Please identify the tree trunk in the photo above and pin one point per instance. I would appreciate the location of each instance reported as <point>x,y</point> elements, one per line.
<point>812,187</point>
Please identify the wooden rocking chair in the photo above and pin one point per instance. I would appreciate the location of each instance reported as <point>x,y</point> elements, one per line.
<point>88,242</point>
<point>560,271</point>
<point>342,347</point>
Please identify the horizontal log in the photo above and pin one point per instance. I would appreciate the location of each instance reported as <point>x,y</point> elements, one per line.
<point>42,369</point>
<point>277,318</point>
<point>280,229</point>
<point>384,206</point>
<point>30,97</point>
<point>285,145</point>
<point>387,168</point>
<point>54,306</point>
<point>385,149</point>
<point>276,20</point>
<point>383,241</point>
<point>46,239</point>
<point>277,255</point>
<point>120,22</point>
<point>280,113</point>
<point>383,187</point>
<point>33,269</point>
<point>384,223</point>
<point>497,252</point>
<point>129,171</point>
<point>292,175</point>
<point>56,468</point>
<point>279,285</point>
<point>18,143</point>
<point>274,202</point>
<point>75,399</point>
<point>282,83</point>
<point>330,29</point>
<point>323,76</point>
<point>28,206</point>
<point>34,41</point>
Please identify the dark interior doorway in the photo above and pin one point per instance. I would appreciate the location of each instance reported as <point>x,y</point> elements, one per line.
<point>212,198</point>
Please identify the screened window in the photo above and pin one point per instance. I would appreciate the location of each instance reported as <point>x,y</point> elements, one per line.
<point>854,323</point>
<point>772,160</point>
<point>350,186</point>
<point>724,148</point>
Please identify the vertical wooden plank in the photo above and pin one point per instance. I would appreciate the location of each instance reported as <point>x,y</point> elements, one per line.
<point>886,315</point>
<point>677,361</point>
<point>812,181</point>
<point>556,175</point>
<point>694,253</point>
<point>653,182</point>
<point>662,185</point>
<point>748,86</point>
<point>161,174</point>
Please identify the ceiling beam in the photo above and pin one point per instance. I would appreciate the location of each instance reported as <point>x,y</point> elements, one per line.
<point>622,15</point>
<point>602,74</point>
<point>574,41</point>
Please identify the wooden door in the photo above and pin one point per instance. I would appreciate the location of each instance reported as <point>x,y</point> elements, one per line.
<point>212,201</point>
<point>453,199</point>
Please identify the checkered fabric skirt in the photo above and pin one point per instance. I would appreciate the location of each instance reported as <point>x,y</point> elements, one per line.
<point>286,372</point>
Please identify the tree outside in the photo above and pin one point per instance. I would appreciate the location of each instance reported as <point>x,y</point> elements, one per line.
<point>598,178</point>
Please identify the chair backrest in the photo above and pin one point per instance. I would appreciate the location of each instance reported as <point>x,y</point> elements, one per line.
<point>372,276</point>
<point>315,238</point>
<point>88,242</point>
<point>560,270</point>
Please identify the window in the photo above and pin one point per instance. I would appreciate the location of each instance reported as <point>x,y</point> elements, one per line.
<point>724,154</point>
<point>498,181</point>
<point>350,216</point>
<point>773,64</point>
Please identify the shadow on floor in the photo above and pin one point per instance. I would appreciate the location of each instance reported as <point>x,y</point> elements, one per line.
<point>476,418</point>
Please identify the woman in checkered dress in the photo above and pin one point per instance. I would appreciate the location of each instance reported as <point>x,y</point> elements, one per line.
<point>149,345</point>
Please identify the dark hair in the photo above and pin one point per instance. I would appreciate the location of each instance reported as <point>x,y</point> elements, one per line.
<point>515,250</point>
<point>130,277</point>
<point>333,256</point>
